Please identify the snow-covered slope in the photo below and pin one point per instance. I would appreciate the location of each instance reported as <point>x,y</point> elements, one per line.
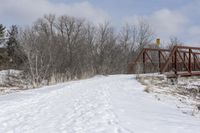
<point>111,104</point>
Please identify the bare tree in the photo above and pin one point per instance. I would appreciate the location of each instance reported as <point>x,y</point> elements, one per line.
<point>64,47</point>
<point>145,34</point>
<point>174,41</point>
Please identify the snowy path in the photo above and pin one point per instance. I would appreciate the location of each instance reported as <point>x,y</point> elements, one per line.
<point>112,104</point>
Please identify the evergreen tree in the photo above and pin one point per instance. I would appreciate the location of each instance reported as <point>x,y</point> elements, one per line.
<point>2,30</point>
<point>13,49</point>
<point>12,42</point>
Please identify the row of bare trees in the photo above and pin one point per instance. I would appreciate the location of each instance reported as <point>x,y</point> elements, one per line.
<point>60,48</point>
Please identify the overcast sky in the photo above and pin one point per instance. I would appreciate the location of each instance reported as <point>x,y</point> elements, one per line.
<point>179,18</point>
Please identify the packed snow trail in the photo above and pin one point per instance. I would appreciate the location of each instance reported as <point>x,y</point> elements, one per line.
<point>103,104</point>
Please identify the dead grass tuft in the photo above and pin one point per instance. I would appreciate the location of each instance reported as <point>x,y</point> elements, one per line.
<point>147,89</point>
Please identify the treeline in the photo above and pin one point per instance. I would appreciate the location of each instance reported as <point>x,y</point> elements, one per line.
<point>55,49</point>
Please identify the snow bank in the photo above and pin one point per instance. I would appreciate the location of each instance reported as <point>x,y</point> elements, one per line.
<point>5,73</point>
<point>184,90</point>
<point>12,81</point>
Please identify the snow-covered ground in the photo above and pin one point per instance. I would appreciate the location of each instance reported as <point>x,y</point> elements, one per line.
<point>184,91</point>
<point>103,104</point>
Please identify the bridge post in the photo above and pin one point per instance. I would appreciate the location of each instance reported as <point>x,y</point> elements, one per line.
<point>159,60</point>
<point>194,62</point>
<point>144,62</point>
<point>175,62</point>
<point>189,63</point>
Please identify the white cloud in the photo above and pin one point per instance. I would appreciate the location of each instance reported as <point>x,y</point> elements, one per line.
<point>194,31</point>
<point>168,22</point>
<point>27,11</point>
<point>165,22</point>
<point>193,35</point>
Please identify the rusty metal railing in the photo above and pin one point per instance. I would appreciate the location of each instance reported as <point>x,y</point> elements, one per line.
<point>181,60</point>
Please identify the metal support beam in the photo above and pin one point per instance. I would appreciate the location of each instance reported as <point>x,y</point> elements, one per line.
<point>159,59</point>
<point>144,58</point>
<point>190,63</point>
<point>175,62</point>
